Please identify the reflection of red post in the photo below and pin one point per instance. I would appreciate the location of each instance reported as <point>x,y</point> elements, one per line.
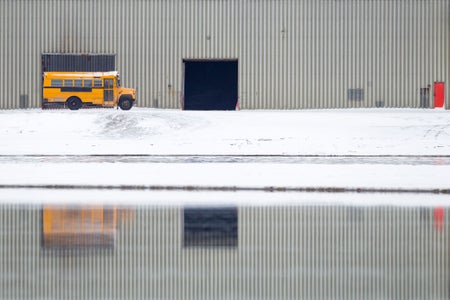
<point>439,218</point>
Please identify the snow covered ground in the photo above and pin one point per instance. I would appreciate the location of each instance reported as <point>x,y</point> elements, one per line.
<point>151,131</point>
<point>172,132</point>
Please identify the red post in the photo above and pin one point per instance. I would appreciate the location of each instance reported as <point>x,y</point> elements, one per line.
<point>439,94</point>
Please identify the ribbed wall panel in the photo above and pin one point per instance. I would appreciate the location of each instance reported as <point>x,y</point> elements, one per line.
<point>284,252</point>
<point>292,53</point>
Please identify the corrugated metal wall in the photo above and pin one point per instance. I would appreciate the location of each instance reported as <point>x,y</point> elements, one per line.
<point>292,53</point>
<point>284,252</point>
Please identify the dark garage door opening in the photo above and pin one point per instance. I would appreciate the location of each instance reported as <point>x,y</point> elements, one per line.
<point>210,85</point>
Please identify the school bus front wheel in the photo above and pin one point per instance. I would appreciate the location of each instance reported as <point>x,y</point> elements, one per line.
<point>125,102</point>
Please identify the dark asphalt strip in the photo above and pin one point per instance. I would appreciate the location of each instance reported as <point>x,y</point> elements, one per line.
<point>430,160</point>
<point>227,188</point>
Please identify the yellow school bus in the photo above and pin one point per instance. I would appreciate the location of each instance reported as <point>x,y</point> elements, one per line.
<point>85,89</point>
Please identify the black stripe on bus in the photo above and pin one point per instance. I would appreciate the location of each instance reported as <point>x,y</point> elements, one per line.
<point>76,89</point>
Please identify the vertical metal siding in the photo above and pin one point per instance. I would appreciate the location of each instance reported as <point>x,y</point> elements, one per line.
<point>284,252</point>
<point>292,54</point>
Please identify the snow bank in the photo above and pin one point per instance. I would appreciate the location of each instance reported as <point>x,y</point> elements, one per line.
<point>179,199</point>
<point>247,175</point>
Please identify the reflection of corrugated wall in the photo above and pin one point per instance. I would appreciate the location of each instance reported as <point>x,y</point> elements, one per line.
<point>283,253</point>
<point>292,54</point>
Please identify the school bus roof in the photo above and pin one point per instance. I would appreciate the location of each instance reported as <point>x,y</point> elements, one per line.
<point>80,74</point>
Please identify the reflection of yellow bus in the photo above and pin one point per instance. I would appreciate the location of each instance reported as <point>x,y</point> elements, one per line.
<point>85,89</point>
<point>78,226</point>
<point>67,226</point>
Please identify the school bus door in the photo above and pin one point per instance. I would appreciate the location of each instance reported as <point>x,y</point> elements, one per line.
<point>108,91</point>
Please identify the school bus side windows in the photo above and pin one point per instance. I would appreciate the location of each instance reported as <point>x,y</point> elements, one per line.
<point>56,83</point>
<point>77,83</point>
<point>98,83</point>
<point>68,82</point>
<point>88,83</point>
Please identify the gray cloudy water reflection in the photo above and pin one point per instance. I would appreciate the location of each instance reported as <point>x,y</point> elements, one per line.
<point>226,251</point>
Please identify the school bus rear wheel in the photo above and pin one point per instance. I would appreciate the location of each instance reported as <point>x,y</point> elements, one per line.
<point>74,103</point>
<point>125,103</point>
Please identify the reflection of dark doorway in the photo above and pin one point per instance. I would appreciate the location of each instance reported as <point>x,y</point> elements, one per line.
<point>210,85</point>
